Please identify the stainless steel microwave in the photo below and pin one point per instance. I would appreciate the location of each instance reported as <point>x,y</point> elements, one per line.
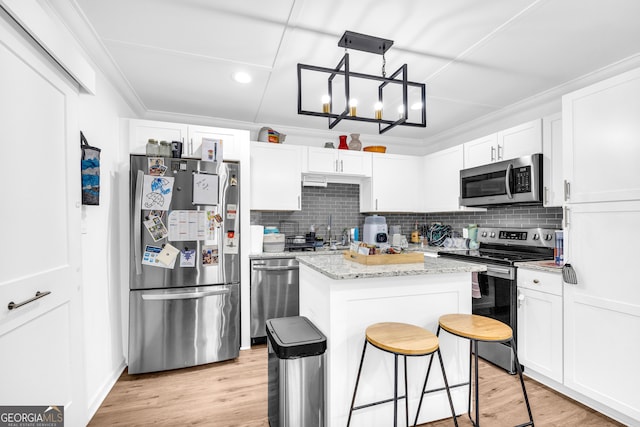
<point>509,182</point>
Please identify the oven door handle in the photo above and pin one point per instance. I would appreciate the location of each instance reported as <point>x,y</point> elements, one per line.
<point>507,180</point>
<point>506,273</point>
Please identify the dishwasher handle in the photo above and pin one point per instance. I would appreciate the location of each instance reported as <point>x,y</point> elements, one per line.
<point>183,295</point>
<point>276,268</point>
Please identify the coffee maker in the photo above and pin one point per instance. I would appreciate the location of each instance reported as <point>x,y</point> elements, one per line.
<point>375,230</point>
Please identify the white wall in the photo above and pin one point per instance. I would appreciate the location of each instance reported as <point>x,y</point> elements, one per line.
<point>101,263</point>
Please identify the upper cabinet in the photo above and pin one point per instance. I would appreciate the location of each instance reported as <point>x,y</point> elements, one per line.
<point>507,144</point>
<point>394,185</point>
<point>342,162</point>
<point>195,134</point>
<point>552,160</point>
<point>601,134</point>
<point>276,174</point>
<point>140,131</point>
<point>441,181</point>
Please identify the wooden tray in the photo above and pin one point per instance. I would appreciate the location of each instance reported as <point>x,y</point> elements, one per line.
<point>406,258</point>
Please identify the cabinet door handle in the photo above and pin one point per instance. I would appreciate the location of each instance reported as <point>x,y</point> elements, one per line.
<point>536,281</point>
<point>566,216</point>
<point>567,190</point>
<point>299,207</point>
<point>499,155</point>
<point>546,197</point>
<point>520,299</point>
<point>336,169</point>
<point>493,153</point>
<point>376,204</point>
<point>341,166</point>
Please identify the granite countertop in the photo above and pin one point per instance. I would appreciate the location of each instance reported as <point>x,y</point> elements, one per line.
<point>294,254</point>
<point>540,265</point>
<point>339,268</point>
<point>431,251</point>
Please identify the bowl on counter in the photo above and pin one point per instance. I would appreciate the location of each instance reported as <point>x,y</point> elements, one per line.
<point>375,148</point>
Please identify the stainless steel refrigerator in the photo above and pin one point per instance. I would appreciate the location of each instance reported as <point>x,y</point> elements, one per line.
<point>185,263</point>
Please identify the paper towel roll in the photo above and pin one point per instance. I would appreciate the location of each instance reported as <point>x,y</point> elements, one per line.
<point>257,234</point>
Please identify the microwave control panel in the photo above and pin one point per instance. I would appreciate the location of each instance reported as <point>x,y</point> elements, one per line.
<point>522,179</point>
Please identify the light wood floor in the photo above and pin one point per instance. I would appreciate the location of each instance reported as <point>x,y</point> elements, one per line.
<point>234,394</point>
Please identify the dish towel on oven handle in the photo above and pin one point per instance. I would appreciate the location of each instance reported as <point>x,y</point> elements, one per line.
<point>475,286</point>
<point>90,170</point>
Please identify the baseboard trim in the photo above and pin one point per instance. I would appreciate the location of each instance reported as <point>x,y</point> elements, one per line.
<point>102,393</point>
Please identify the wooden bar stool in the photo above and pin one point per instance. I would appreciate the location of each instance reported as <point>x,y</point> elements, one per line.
<point>400,339</point>
<point>480,328</point>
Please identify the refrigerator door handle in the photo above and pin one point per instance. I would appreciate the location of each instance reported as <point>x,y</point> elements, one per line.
<point>183,295</point>
<point>137,220</point>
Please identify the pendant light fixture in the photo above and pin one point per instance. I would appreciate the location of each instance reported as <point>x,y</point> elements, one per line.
<point>349,107</point>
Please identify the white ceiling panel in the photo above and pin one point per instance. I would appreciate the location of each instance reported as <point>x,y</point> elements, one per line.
<point>190,85</point>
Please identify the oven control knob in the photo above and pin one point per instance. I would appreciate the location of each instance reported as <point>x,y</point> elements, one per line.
<point>484,234</point>
<point>548,237</point>
<point>536,236</point>
<point>492,235</point>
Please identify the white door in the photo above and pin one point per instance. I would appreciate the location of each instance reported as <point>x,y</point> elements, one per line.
<point>41,356</point>
<point>602,312</point>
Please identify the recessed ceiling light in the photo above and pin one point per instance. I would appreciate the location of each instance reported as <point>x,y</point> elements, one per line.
<point>242,77</point>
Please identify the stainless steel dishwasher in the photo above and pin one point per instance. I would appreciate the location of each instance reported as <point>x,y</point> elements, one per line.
<point>274,293</point>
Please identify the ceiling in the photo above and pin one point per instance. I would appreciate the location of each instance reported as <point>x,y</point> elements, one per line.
<point>475,57</point>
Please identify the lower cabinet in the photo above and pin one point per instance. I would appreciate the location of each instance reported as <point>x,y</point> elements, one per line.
<point>540,322</point>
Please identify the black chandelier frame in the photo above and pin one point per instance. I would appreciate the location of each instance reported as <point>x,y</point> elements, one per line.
<point>373,45</point>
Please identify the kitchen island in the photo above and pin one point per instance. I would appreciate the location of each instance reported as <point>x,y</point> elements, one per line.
<point>343,297</point>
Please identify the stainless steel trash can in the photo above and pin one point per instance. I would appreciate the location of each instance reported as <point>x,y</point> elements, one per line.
<point>296,389</point>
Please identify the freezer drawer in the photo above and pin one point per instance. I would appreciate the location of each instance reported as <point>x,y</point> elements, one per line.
<point>274,292</point>
<point>180,327</point>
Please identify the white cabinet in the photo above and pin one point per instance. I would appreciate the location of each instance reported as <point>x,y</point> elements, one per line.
<point>333,161</point>
<point>276,174</point>
<point>601,140</point>
<point>230,143</point>
<point>602,312</point>
<point>442,180</point>
<point>553,188</point>
<point>480,151</point>
<point>140,131</point>
<point>540,322</point>
<point>507,144</point>
<point>521,140</point>
<point>394,186</point>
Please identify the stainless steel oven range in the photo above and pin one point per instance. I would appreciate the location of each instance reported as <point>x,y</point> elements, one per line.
<point>499,250</point>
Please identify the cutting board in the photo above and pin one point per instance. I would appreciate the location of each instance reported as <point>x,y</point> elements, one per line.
<point>383,259</point>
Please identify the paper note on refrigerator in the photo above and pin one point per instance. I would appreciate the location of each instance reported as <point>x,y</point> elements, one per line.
<point>167,256</point>
<point>150,257</point>
<point>157,192</point>
<point>187,225</point>
<point>205,189</point>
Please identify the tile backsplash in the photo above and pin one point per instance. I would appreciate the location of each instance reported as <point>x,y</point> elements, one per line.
<point>341,201</point>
